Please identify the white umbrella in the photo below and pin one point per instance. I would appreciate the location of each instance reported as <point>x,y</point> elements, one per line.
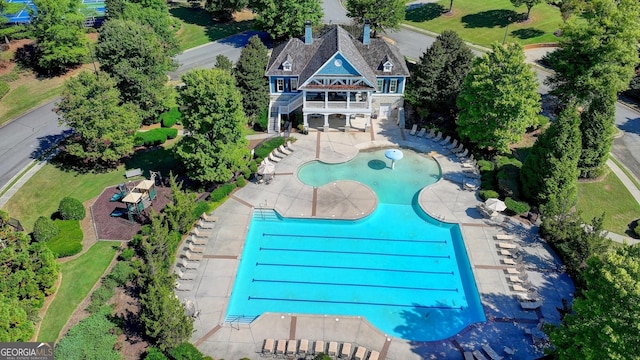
<point>393,155</point>
<point>495,204</point>
<point>266,168</point>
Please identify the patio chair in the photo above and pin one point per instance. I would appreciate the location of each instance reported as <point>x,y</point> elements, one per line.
<point>361,351</point>
<point>208,218</point>
<point>197,241</point>
<point>195,249</point>
<point>438,137</point>
<point>422,132</point>
<point>345,352</point>
<point>492,353</point>
<point>189,265</point>
<point>284,150</point>
<point>180,286</point>
<point>193,256</point>
<point>268,347</point>
<point>185,275</point>
<point>413,129</point>
<point>273,157</point>
<point>453,144</point>
<point>445,141</point>
<point>431,134</point>
<point>303,349</point>
<point>374,355</point>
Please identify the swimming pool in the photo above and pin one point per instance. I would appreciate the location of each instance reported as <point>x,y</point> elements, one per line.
<point>408,274</point>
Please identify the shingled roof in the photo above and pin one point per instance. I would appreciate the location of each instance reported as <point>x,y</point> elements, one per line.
<point>306,59</point>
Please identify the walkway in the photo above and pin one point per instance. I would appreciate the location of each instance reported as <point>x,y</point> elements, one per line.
<point>446,200</point>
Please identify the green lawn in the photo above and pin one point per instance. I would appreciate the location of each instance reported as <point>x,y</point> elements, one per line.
<point>25,97</point>
<point>199,28</point>
<point>78,277</point>
<point>41,195</point>
<point>611,197</point>
<point>483,22</point>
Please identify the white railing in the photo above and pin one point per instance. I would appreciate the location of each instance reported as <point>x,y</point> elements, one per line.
<point>336,105</point>
<point>294,103</point>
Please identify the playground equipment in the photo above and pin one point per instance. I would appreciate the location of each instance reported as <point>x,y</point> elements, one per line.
<point>137,197</point>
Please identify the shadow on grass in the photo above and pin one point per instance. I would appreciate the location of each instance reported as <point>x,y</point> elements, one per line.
<point>153,159</point>
<point>214,30</point>
<point>490,19</point>
<point>423,12</point>
<point>527,33</point>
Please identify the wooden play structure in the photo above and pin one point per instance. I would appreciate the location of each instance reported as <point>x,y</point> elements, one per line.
<point>137,197</point>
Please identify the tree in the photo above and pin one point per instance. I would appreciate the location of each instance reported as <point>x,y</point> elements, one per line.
<point>216,149</point>
<point>58,29</point>
<point>14,322</point>
<point>528,3</point>
<point>380,13</point>
<point>499,99</point>
<point>249,74</point>
<point>271,19</point>
<point>597,128</point>
<point>438,77</point>
<point>603,323</point>
<point>224,63</point>
<point>224,9</point>
<point>137,59</point>
<point>180,210</point>
<point>104,128</point>
<point>550,172</point>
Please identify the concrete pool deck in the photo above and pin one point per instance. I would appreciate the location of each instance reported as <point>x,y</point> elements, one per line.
<point>507,323</point>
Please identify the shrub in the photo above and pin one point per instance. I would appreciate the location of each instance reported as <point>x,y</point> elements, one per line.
<point>637,230</point>
<point>127,254</point>
<point>241,182</point>
<point>262,122</point>
<point>154,137</point>
<point>71,209</point>
<point>89,337</point>
<point>155,354</point>
<point>221,192</point>
<point>100,297</point>
<point>488,194</point>
<point>185,351</point>
<point>44,229</point>
<point>171,117</point>
<point>486,165</point>
<point>516,207</point>
<point>4,89</point>
<point>69,239</point>
<point>122,272</point>
<point>509,176</point>
<point>145,230</point>
<point>201,207</point>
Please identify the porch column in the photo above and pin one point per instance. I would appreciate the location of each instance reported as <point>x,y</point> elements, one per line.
<point>278,121</point>
<point>348,99</point>
<point>367,121</point>
<point>326,122</point>
<point>347,121</point>
<point>305,122</point>
<point>326,99</point>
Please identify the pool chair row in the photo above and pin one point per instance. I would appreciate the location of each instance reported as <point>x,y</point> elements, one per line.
<point>304,349</point>
<point>278,154</point>
<point>487,353</point>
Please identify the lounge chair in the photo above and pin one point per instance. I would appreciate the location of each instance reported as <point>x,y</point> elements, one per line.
<point>468,355</point>
<point>205,224</point>
<point>333,349</point>
<point>470,184</point>
<point>281,347</point>
<point>504,237</point>
<point>504,245</point>
<point>422,132</point>
<point>193,256</point>
<point>185,275</point>
<point>512,271</point>
<point>478,355</point>
<point>468,164</point>
<point>208,218</point>
<point>438,137</point>
<point>510,261</point>
<point>374,355</point>
<point>183,286</point>
<point>284,150</point>
<point>188,265</point>
<point>508,252</point>
<point>413,129</point>
<point>492,353</point>
<point>197,241</point>
<point>453,144</point>
<point>458,149</point>
<point>462,154</point>
<point>273,158</point>
<point>509,351</point>
<point>303,349</point>
<point>345,352</point>
<point>318,347</point>
<point>530,305</point>
<point>289,147</point>
<point>519,288</point>
<point>361,351</point>
<point>292,346</point>
<point>268,347</point>
<point>195,249</point>
<point>445,141</point>
<point>431,134</point>
<point>200,233</point>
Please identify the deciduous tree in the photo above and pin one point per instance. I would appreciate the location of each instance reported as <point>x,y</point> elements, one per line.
<point>528,3</point>
<point>550,173</point>
<point>224,9</point>
<point>603,323</point>
<point>104,128</point>
<point>382,14</point>
<point>271,16</point>
<point>499,99</point>
<point>249,74</point>
<point>59,32</point>
<point>216,149</point>
<point>439,74</point>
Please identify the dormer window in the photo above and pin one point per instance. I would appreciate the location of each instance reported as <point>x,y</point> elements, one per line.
<point>387,66</point>
<point>286,66</point>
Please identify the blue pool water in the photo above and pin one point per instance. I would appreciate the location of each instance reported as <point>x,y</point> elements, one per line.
<point>407,273</point>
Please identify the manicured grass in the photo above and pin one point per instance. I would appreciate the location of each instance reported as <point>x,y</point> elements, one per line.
<point>611,197</point>
<point>483,22</point>
<point>41,195</point>
<point>78,277</point>
<point>198,27</point>
<point>27,96</point>
<point>69,240</point>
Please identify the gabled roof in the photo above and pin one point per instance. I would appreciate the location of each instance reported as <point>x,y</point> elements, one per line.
<point>308,59</point>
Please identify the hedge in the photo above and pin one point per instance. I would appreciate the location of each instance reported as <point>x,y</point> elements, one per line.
<point>266,147</point>
<point>154,137</point>
<point>488,194</point>
<point>69,239</point>
<point>171,117</point>
<point>71,209</point>
<point>516,207</point>
<point>220,193</point>
<point>4,89</point>
<point>201,207</point>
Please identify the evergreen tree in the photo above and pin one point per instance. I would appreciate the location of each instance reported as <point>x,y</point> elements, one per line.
<point>224,63</point>
<point>180,211</point>
<point>598,128</point>
<point>216,149</point>
<point>439,74</point>
<point>59,32</point>
<point>499,99</point>
<point>104,128</point>
<point>380,13</point>
<point>272,20</point>
<point>249,74</point>
<point>550,172</point>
